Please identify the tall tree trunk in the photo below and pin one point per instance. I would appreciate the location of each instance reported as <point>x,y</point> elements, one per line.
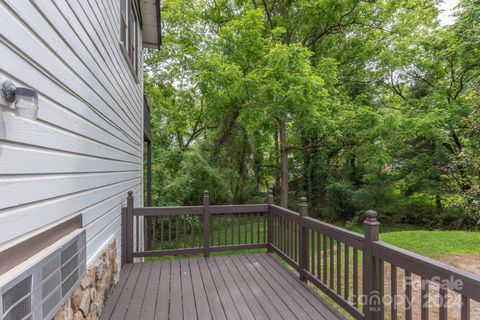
<point>283,162</point>
<point>307,167</point>
<point>277,160</point>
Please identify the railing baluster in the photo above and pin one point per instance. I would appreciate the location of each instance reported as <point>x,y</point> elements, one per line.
<point>265,227</point>
<point>219,227</point>
<point>225,226</point>
<point>381,287</point>
<point>245,227</point>
<point>424,299</point>
<point>184,233</point>
<point>258,228</point>
<point>161,233</point>
<point>465,311</point>
<point>192,231</point>
<point>442,303</point>
<point>408,295</point>
<point>294,240</point>
<point>277,231</point>
<point>233,228</point>
<point>280,232</point>
<point>239,228</point>
<point>393,291</point>
<point>346,269</point>
<point>319,257</point>
<point>176,230</point>
<point>339,267</point>
<point>289,238</point>
<point>137,233</point>
<point>285,236</point>
<point>355,277</point>
<point>325,262</point>
<point>251,228</point>
<point>169,231</point>
<point>332,263</point>
<point>211,230</point>
<point>274,229</point>
<point>312,252</point>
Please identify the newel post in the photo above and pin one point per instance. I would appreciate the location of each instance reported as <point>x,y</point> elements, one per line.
<point>372,306</point>
<point>269,221</point>
<point>303,237</point>
<point>129,229</point>
<point>206,224</point>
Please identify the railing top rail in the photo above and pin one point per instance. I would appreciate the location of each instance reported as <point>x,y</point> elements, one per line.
<point>430,269</point>
<point>215,209</point>
<point>240,208</point>
<point>348,237</point>
<point>167,211</point>
<point>284,211</point>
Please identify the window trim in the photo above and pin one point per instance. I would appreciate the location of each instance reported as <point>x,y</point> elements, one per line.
<point>129,37</point>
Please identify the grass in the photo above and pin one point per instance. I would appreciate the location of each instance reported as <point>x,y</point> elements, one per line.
<point>436,243</point>
<point>430,243</point>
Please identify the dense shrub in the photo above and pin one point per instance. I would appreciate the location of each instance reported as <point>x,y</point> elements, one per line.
<point>339,198</point>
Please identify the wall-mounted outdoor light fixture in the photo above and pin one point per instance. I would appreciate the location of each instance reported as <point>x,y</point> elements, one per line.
<point>26,100</point>
<point>8,90</point>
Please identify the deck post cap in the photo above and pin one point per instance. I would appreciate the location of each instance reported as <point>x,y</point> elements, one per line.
<point>371,217</point>
<point>303,200</point>
<point>130,193</point>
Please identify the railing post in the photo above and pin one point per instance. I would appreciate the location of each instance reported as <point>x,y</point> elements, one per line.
<point>372,306</point>
<point>269,221</point>
<point>124,235</point>
<point>129,229</point>
<point>303,238</point>
<point>206,224</point>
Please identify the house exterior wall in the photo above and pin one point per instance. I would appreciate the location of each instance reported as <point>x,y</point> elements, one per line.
<point>85,150</point>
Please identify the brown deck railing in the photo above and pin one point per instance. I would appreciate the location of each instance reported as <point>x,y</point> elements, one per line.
<point>346,266</point>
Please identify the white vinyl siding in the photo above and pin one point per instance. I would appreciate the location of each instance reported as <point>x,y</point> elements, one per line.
<point>85,150</point>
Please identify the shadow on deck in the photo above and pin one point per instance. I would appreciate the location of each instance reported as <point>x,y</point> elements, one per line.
<point>247,286</point>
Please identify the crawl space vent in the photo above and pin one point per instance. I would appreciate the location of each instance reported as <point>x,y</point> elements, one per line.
<point>39,291</point>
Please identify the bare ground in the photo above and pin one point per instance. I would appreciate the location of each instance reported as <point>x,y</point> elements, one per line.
<point>468,263</point>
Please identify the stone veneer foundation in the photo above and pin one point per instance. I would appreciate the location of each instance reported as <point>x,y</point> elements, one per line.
<point>88,299</point>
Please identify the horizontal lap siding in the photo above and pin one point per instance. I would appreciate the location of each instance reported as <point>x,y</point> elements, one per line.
<point>85,150</point>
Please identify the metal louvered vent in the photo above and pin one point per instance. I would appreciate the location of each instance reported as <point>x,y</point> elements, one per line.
<point>44,282</point>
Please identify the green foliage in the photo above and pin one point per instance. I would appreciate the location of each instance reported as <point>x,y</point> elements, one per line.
<point>379,102</point>
<point>339,198</point>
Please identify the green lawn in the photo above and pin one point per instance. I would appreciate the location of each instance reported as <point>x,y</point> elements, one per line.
<point>431,243</point>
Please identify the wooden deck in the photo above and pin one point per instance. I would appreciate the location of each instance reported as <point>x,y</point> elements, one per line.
<point>248,286</point>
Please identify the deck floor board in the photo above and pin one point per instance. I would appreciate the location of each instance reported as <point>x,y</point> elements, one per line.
<point>246,286</point>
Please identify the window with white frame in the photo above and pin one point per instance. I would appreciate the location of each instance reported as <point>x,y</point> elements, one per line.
<point>129,30</point>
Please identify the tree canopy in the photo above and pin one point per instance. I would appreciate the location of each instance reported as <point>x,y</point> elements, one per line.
<point>356,104</point>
